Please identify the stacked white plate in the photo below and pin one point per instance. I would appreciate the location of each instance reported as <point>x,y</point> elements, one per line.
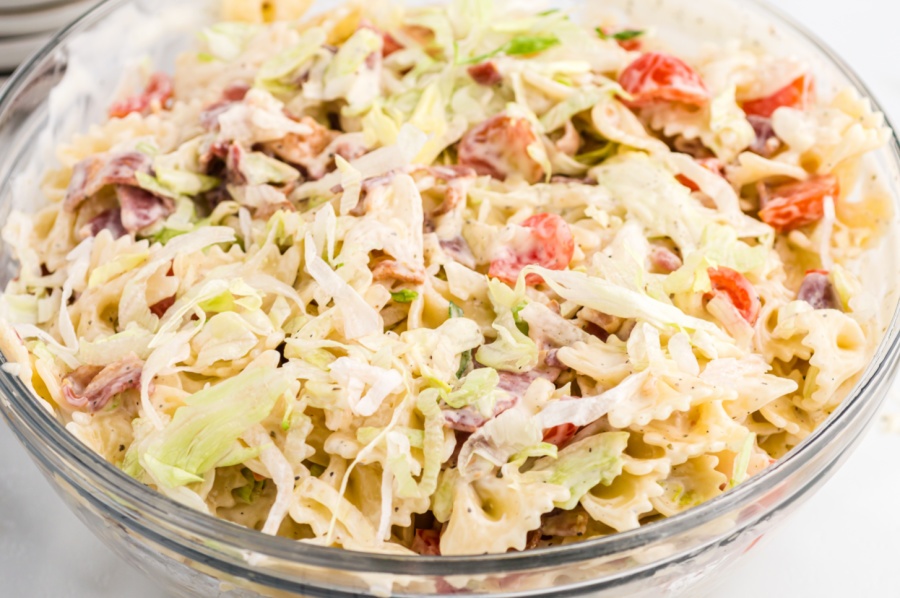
<point>25,25</point>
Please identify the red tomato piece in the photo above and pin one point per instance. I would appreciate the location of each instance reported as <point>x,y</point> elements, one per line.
<point>498,147</point>
<point>158,92</point>
<point>798,204</point>
<point>560,435</point>
<point>549,243</point>
<point>735,287</point>
<point>657,77</point>
<point>711,164</point>
<point>797,94</point>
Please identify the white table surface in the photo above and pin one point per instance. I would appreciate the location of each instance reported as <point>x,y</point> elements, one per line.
<point>845,541</point>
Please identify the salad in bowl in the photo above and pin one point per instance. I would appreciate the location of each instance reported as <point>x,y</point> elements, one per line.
<point>450,280</point>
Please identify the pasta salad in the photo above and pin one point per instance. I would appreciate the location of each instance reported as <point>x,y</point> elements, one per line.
<point>448,280</point>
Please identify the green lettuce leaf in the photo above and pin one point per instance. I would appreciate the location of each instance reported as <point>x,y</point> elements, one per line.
<point>204,433</point>
<point>584,464</point>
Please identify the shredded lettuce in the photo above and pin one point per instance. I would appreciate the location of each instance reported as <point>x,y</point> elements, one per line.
<point>118,266</point>
<point>276,73</point>
<point>582,465</point>
<point>226,40</point>
<point>204,433</point>
<point>511,351</point>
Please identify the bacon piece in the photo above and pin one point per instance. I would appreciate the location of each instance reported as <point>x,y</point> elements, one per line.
<point>458,180</point>
<point>160,308</point>
<point>156,96</point>
<point>818,291</point>
<point>93,174</point>
<point>767,143</point>
<point>390,45</point>
<point>459,250</point>
<point>91,387</point>
<point>562,179</point>
<point>533,539</point>
<point>305,150</point>
<point>110,220</point>
<point>427,542</point>
<point>485,73</point>
<point>141,208</point>
<point>267,210</point>
<point>565,524</point>
<point>518,384</point>
<point>393,270</point>
<point>570,142</point>
<point>468,419</point>
<point>692,147</point>
<point>664,259</point>
<point>498,147</point>
<point>236,91</point>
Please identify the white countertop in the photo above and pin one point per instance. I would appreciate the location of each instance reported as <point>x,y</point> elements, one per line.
<point>843,542</point>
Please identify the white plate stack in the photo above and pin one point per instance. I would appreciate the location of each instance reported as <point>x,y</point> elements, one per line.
<point>25,25</point>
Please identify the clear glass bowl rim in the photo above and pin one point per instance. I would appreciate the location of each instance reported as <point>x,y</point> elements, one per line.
<point>234,538</point>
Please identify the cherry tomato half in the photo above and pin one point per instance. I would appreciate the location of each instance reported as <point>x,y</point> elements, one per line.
<point>794,95</point>
<point>549,243</point>
<point>798,204</point>
<point>735,287</point>
<point>498,147</point>
<point>657,77</point>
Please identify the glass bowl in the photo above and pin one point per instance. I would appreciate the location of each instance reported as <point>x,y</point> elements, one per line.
<point>67,85</point>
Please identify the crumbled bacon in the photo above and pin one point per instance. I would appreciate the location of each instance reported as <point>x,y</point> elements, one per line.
<point>235,91</point>
<point>485,73</point>
<point>533,539</point>
<point>93,174</point>
<point>233,165</point>
<point>305,150</point>
<point>91,387</point>
<point>664,259</point>
<point>468,419</point>
<point>459,250</point>
<point>267,210</point>
<point>518,384</point>
<point>110,220</point>
<point>393,270</point>
<point>565,524</point>
<point>156,96</point>
<point>562,179</point>
<point>692,147</point>
<point>390,45</point>
<point>458,179</point>
<point>499,147</point>
<point>427,542</point>
<point>570,142</point>
<point>141,208</point>
<point>160,308</point>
